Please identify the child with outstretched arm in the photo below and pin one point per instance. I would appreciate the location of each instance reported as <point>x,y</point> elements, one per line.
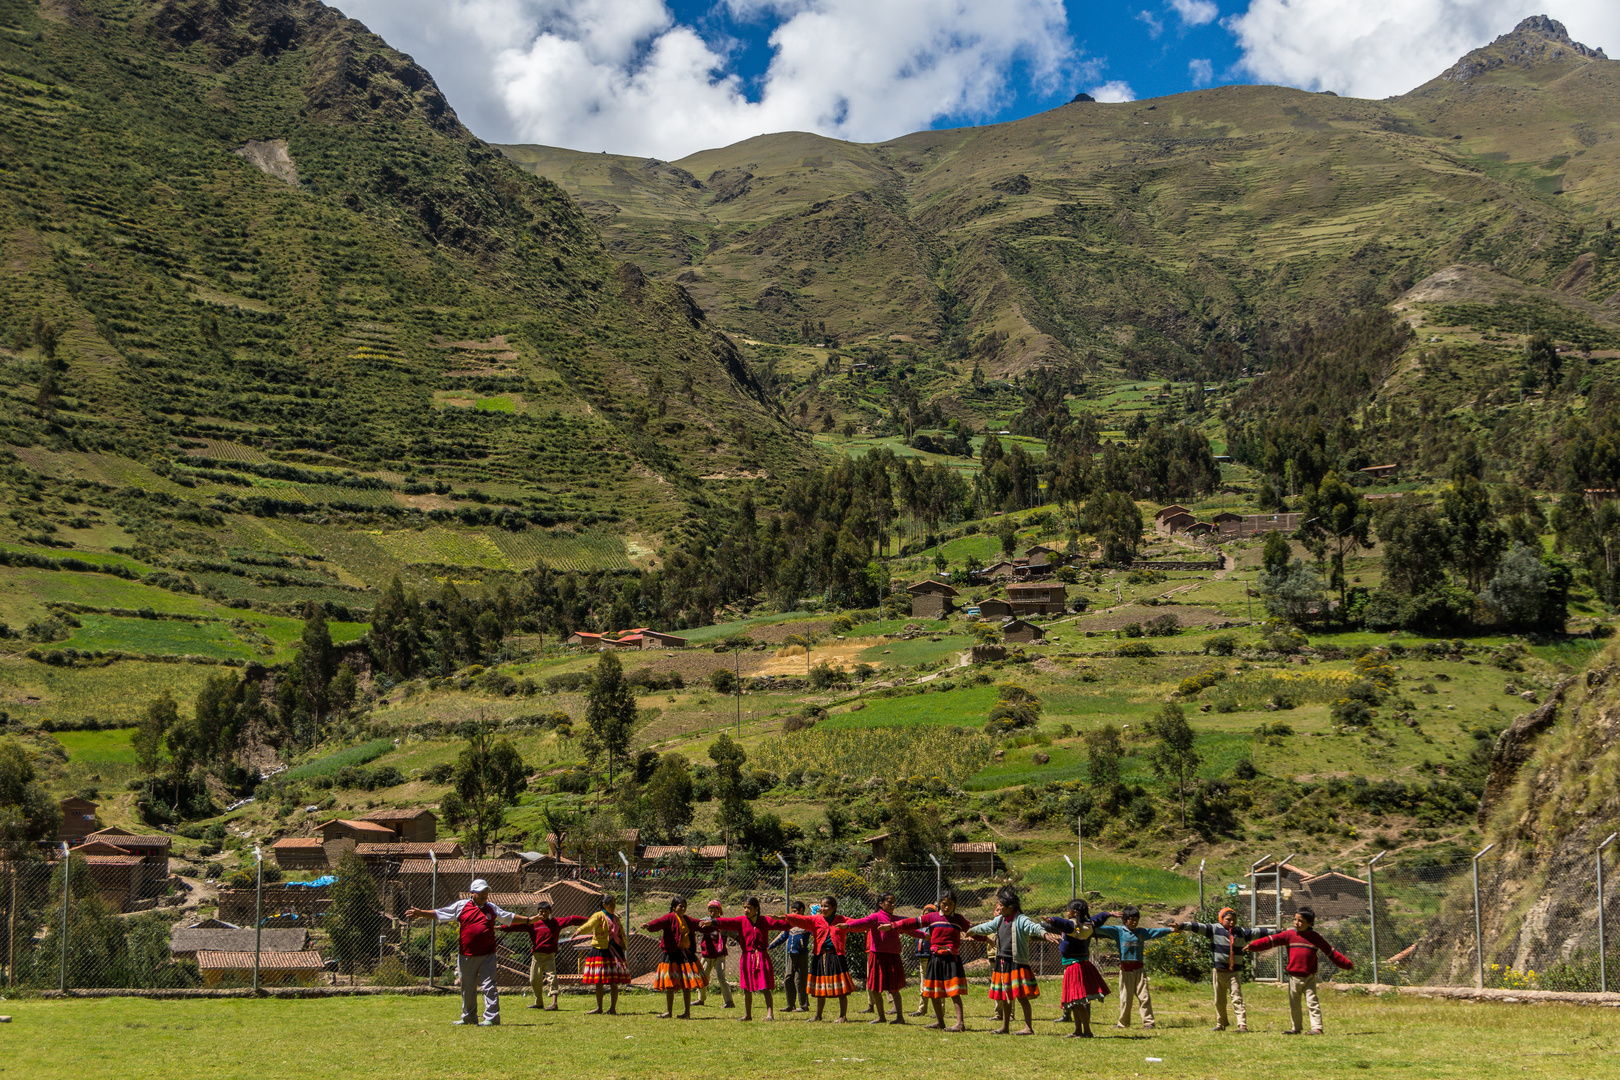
<point>679,969</point>
<point>755,972</point>
<point>796,980</point>
<point>1011,978</point>
<point>1226,941</point>
<point>829,973</point>
<point>944,977</point>
<point>1082,982</point>
<point>1302,943</point>
<point>885,974</point>
<point>1131,938</point>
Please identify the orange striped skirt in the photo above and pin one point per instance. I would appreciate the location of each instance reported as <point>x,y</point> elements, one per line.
<point>829,976</point>
<point>944,977</point>
<point>1012,982</point>
<point>679,971</point>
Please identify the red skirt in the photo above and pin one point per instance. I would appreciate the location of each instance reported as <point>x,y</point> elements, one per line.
<point>1012,982</point>
<point>944,977</point>
<point>885,972</point>
<point>602,967</point>
<point>829,976</point>
<point>757,974</point>
<point>678,971</point>
<point>1083,983</point>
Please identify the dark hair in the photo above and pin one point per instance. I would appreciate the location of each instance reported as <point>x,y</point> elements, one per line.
<point>1007,897</point>
<point>833,900</point>
<point>1307,914</point>
<point>948,894</point>
<point>887,896</point>
<point>676,901</point>
<point>798,905</point>
<point>752,901</point>
<point>1130,913</point>
<point>1081,909</point>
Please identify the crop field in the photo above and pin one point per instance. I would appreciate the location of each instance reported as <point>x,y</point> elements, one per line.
<point>117,691</point>
<point>594,550</point>
<point>362,754</point>
<point>407,1038</point>
<point>99,747</point>
<point>97,558</point>
<point>952,756</point>
<point>961,708</point>
<point>158,637</point>
<point>23,588</point>
<point>220,450</point>
<point>917,651</point>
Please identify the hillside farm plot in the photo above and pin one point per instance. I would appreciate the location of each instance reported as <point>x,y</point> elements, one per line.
<point>156,637</point>
<point>118,692</point>
<point>955,708</point>
<point>104,747</point>
<point>592,550</point>
<point>25,587</point>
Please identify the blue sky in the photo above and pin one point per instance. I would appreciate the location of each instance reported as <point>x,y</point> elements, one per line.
<point>666,78</point>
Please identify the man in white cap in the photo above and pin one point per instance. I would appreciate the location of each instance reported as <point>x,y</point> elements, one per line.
<point>475,966</point>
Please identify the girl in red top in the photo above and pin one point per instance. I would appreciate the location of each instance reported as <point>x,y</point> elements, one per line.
<point>829,974</point>
<point>679,969</point>
<point>755,972</point>
<point>885,973</point>
<point>944,977</point>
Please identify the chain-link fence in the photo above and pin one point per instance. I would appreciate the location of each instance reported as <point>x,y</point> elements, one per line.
<point>116,923</point>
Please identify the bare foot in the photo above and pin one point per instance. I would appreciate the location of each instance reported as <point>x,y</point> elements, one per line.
<point>1025,1031</point>
<point>593,1012</point>
<point>665,1015</point>
<point>878,1020</point>
<point>957,1027</point>
<point>898,1020</point>
<point>536,1005</point>
<point>842,1020</point>
<point>999,1031</point>
<point>686,1016</point>
<point>770,1016</point>
<point>1074,1035</point>
<point>936,1026</point>
<point>613,1011</point>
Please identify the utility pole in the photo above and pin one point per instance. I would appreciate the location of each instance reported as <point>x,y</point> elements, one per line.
<point>258,911</point>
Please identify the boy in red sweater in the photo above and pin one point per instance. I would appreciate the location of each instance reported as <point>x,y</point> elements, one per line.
<point>1302,944</point>
<point>542,931</point>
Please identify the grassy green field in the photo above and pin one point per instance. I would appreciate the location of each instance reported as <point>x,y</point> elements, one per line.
<point>99,747</point>
<point>964,708</point>
<point>401,1038</point>
<point>161,637</point>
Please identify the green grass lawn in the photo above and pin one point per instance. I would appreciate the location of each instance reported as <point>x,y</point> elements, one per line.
<point>159,637</point>
<point>965,708</point>
<point>401,1038</point>
<point>917,651</point>
<point>96,747</point>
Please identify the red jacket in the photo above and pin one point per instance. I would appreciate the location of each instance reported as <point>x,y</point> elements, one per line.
<point>670,924</point>
<point>1302,948</point>
<point>944,932</point>
<point>543,932</point>
<point>823,930</point>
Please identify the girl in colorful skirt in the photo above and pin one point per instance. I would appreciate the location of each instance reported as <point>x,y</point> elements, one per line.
<point>679,969</point>
<point>755,974</point>
<point>604,966</point>
<point>1082,982</point>
<point>1011,979</point>
<point>885,973</point>
<point>829,974</point>
<point>944,976</point>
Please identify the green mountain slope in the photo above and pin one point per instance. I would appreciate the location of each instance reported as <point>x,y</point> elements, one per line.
<point>257,272</point>
<point>1142,231</point>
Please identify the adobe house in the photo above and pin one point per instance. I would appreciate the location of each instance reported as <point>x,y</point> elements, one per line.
<point>653,639</point>
<point>119,879</point>
<point>361,832</point>
<point>153,849</point>
<point>574,898</point>
<point>628,641</point>
<point>1000,568</point>
<point>930,599</point>
<point>416,825</point>
<point>187,941</point>
<point>974,859</point>
<point>582,637</point>
<point>455,876</point>
<point>275,968</point>
<point>1036,566</point>
<point>1015,631</point>
<point>1334,895</point>
<point>1200,529</point>
<point>1380,472</point>
<point>1225,517</point>
<point>995,608</point>
<point>300,853</point>
<point>880,846</point>
<point>1037,598</point>
<point>78,819</point>
<point>383,855</point>
<point>1165,513</point>
<point>1050,554</point>
<point>1174,523</point>
<point>581,849</point>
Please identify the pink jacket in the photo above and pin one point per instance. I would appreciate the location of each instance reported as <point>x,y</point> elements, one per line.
<point>753,937</point>
<point>877,941</point>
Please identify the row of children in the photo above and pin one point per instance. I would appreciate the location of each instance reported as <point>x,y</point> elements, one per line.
<point>826,974</point>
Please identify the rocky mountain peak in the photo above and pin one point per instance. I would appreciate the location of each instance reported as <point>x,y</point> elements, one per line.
<point>1535,41</point>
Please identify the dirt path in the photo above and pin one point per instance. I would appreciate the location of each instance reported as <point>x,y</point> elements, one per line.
<point>963,659</point>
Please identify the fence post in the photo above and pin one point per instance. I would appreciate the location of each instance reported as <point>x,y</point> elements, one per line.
<point>1074,889</point>
<point>1276,880</point>
<point>626,864</point>
<point>1479,937</point>
<point>939,886</point>
<point>1254,901</point>
<point>433,923</point>
<point>787,888</point>
<point>258,911</point>
<point>1080,852</point>
<point>66,867</point>
<point>11,926</point>
<point>1201,887</point>
<point>1603,941</point>
<point>1372,913</point>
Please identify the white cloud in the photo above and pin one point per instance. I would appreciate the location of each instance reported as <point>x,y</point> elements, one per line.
<point>1354,48</point>
<point>1114,90</point>
<point>1196,12</point>
<point>1201,72</point>
<point>626,76</point>
<point>1155,24</point>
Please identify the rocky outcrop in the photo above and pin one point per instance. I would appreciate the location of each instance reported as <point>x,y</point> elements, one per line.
<point>1537,40</point>
<point>1514,747</point>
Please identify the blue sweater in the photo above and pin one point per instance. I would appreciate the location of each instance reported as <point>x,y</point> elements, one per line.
<point>1130,943</point>
<point>1076,943</point>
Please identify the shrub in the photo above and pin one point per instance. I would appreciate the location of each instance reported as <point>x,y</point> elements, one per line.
<point>723,680</point>
<point>1221,645</point>
<point>1166,625</point>
<point>1135,649</point>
